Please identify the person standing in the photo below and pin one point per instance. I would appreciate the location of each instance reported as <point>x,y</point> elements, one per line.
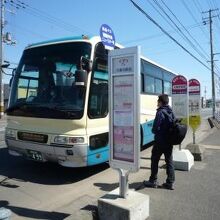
<point>161,146</point>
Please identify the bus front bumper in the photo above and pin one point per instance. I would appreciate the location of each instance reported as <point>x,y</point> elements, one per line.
<point>71,156</point>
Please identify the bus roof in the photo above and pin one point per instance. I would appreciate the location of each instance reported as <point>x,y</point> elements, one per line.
<point>93,39</point>
<point>59,40</point>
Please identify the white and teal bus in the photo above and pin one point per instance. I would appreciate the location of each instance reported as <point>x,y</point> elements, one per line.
<point>58,107</point>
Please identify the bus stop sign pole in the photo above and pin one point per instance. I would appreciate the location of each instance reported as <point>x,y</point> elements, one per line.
<point>123,183</point>
<point>124,103</point>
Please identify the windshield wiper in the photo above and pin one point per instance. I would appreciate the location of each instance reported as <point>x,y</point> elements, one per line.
<point>34,108</point>
<point>56,109</point>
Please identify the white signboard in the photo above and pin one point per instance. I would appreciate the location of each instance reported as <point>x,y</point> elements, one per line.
<point>180,98</point>
<point>194,104</point>
<point>124,90</point>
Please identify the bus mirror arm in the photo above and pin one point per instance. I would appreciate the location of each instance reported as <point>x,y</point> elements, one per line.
<point>13,74</point>
<point>81,74</point>
<point>85,64</point>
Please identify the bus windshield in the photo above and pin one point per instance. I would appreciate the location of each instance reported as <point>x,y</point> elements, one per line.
<point>43,85</point>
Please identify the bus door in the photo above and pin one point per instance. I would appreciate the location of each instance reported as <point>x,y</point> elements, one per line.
<point>97,120</point>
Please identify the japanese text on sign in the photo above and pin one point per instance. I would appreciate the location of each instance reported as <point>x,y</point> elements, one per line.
<point>123,65</point>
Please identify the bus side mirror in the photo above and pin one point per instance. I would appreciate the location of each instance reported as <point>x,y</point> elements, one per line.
<point>81,74</point>
<point>86,64</point>
<point>81,77</point>
<point>11,80</point>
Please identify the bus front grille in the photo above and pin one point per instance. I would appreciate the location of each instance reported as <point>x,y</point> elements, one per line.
<point>26,136</point>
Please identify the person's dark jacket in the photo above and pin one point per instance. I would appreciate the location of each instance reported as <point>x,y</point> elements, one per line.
<point>161,125</point>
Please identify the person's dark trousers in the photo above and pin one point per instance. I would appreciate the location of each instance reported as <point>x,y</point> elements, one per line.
<point>157,151</point>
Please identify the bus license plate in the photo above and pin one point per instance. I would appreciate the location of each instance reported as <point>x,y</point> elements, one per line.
<point>35,155</point>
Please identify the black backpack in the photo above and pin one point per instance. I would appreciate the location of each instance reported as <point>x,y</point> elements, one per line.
<point>176,131</point>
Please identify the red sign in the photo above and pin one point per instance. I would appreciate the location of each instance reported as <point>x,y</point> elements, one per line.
<point>179,85</point>
<point>194,87</point>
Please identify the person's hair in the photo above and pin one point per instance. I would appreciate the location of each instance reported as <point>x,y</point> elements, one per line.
<point>164,99</point>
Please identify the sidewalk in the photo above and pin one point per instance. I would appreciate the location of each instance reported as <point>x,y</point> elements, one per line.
<point>196,194</point>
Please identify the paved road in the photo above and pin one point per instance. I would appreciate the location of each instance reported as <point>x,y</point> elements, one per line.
<point>34,190</point>
<point>196,195</point>
<point>47,191</point>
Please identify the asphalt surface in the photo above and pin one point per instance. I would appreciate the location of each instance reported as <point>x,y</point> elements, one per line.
<point>196,194</point>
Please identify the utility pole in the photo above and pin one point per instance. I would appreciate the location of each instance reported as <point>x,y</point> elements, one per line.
<point>212,64</point>
<point>212,58</point>
<point>4,38</point>
<point>1,59</point>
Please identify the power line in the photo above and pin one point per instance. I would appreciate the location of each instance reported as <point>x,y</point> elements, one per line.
<point>19,27</point>
<point>180,31</point>
<point>198,6</point>
<point>171,24</point>
<point>190,12</point>
<point>214,4</point>
<point>44,16</point>
<point>173,39</point>
<point>157,35</point>
<point>193,17</point>
<point>185,30</point>
<point>209,3</point>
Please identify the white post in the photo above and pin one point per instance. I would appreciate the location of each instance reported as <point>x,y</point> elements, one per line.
<point>123,183</point>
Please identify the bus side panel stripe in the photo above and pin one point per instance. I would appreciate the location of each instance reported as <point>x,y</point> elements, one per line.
<point>147,133</point>
<point>97,156</point>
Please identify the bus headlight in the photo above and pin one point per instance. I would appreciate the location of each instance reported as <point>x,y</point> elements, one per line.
<point>68,140</point>
<point>61,140</point>
<point>10,133</point>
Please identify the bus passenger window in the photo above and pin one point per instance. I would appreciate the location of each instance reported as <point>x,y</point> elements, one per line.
<point>158,86</point>
<point>167,87</point>
<point>149,84</point>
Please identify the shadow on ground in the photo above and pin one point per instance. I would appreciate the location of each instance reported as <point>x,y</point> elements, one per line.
<point>33,213</point>
<point>47,173</point>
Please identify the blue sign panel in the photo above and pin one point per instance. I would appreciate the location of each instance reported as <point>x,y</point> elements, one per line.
<point>107,36</point>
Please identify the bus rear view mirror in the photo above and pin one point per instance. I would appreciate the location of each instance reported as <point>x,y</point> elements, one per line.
<point>81,74</point>
<point>11,80</point>
<point>86,64</point>
<point>81,77</point>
